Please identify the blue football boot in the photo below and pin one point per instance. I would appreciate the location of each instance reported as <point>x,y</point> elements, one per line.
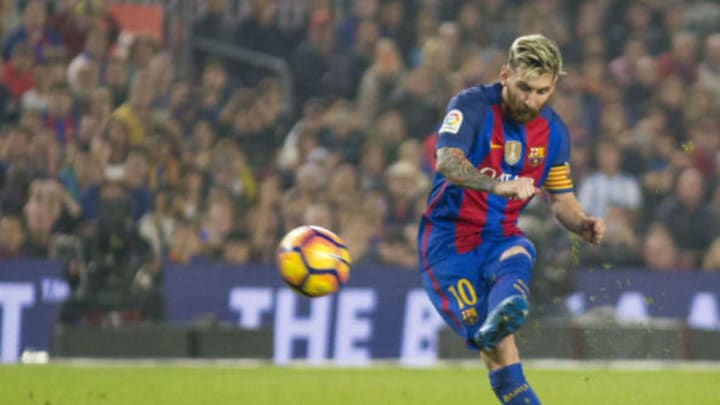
<point>504,320</point>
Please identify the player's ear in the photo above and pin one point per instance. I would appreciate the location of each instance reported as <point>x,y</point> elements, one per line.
<point>503,75</point>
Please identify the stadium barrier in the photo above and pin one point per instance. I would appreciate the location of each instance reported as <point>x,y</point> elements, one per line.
<point>382,313</point>
<point>602,341</point>
<point>161,341</point>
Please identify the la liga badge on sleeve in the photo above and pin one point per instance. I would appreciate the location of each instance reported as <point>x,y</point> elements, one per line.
<point>452,122</point>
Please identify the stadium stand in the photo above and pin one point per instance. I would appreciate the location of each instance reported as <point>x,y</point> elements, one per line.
<point>202,132</point>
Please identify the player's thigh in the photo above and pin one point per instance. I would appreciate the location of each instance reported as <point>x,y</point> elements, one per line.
<point>459,292</point>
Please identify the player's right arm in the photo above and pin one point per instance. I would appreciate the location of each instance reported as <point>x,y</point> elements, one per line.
<point>455,137</point>
<point>452,163</point>
<point>457,169</point>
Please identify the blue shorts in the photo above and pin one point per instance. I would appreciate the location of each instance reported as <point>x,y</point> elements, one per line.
<point>459,285</point>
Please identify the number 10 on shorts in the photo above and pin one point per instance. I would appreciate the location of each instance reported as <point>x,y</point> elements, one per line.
<point>464,293</point>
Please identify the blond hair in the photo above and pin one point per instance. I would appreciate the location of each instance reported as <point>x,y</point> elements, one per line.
<point>537,54</point>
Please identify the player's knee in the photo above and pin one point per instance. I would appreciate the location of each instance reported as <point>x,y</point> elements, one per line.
<point>516,250</point>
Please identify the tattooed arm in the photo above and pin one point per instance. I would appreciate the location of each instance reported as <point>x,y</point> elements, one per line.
<point>452,163</point>
<point>457,169</point>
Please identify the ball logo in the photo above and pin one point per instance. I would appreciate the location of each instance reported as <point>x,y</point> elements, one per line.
<point>452,122</point>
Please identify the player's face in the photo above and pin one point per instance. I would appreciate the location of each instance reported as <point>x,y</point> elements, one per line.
<point>522,97</point>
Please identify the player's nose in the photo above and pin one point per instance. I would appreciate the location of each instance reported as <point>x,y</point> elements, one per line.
<point>532,102</point>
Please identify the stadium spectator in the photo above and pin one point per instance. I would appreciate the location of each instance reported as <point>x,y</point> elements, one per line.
<point>608,185</point>
<point>348,29</point>
<point>321,215</point>
<point>405,184</point>
<point>34,32</point>
<point>162,74</point>
<point>380,80</point>
<point>59,118</point>
<point>348,66</point>
<point>81,177</point>
<point>681,60</point>
<point>396,249</point>
<point>688,218</point>
<point>141,50</point>
<point>237,248</point>
<point>9,16</point>
<point>12,236</point>
<point>311,60</point>
<point>37,97</point>
<point>392,16</point>
<point>74,22</point>
<point>94,56</point>
<point>213,93</point>
<point>185,247</point>
<point>711,260</point>
<point>212,24</point>
<point>660,252</point>
<point>17,74</point>
<point>265,225</point>
<point>709,69</point>
<point>41,212</point>
<point>343,191</point>
<point>157,226</point>
<point>134,177</point>
<point>136,113</point>
<point>259,31</point>
<point>372,165</point>
<point>341,132</point>
<point>117,79</point>
<point>359,235</point>
<point>414,100</point>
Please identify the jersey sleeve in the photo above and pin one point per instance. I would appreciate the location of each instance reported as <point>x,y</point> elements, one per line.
<point>558,179</point>
<point>460,124</point>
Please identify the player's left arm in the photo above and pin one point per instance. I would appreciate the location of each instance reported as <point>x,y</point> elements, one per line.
<point>568,211</point>
<point>564,205</point>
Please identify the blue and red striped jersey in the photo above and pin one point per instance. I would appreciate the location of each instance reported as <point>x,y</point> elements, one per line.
<point>458,219</point>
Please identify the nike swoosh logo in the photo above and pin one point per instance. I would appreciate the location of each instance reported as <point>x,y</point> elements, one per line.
<point>495,146</point>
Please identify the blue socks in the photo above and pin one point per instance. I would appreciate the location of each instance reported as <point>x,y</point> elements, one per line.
<point>512,277</point>
<point>510,386</point>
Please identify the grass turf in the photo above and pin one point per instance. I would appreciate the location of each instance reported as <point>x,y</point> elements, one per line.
<point>173,385</point>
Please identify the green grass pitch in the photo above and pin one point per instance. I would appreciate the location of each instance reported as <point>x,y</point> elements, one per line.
<point>212,385</point>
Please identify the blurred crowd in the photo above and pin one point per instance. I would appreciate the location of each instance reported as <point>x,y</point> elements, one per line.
<point>115,154</point>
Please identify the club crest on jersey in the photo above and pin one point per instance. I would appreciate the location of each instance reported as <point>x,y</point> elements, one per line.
<point>452,122</point>
<point>512,152</point>
<point>536,155</point>
<point>469,316</point>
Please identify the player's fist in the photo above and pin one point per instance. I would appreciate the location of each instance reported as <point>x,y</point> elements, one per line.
<point>592,229</point>
<point>521,188</point>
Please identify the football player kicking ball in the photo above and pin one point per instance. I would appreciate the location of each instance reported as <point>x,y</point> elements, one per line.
<point>497,146</point>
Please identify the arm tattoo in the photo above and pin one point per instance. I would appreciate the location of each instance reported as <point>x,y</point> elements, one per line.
<point>452,163</point>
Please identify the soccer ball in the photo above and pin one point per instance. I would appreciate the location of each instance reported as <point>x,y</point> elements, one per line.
<point>313,261</point>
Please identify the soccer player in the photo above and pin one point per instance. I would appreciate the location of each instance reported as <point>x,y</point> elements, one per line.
<point>497,145</point>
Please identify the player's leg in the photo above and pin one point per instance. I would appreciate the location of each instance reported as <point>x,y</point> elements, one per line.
<point>458,291</point>
<point>508,308</point>
<point>506,374</point>
<point>507,300</point>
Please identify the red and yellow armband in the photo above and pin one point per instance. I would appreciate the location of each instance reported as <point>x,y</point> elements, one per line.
<point>558,179</point>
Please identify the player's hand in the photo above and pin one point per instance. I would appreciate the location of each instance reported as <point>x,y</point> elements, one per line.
<point>521,188</point>
<point>592,229</point>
